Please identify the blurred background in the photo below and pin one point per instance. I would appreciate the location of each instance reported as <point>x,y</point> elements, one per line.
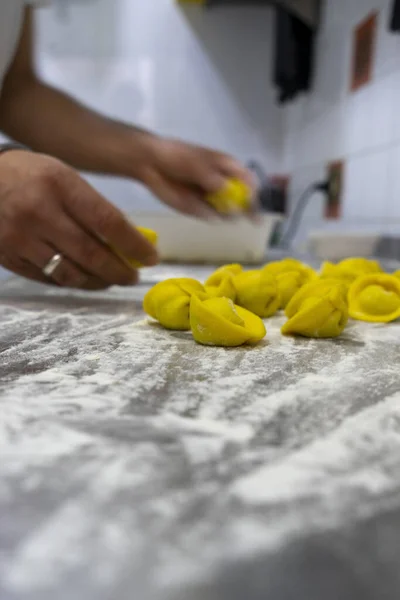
<point>214,73</point>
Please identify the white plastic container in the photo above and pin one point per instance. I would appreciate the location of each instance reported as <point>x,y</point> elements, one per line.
<point>335,246</point>
<point>188,240</point>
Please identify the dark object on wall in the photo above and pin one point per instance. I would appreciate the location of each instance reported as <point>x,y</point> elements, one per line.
<point>272,190</point>
<point>364,44</point>
<point>294,55</point>
<point>333,206</point>
<point>306,10</point>
<point>395,17</point>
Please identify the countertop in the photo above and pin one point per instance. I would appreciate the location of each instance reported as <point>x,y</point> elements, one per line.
<point>136,464</point>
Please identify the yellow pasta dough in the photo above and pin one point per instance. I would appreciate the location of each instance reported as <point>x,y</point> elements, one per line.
<point>235,196</point>
<point>219,322</point>
<point>375,298</point>
<point>168,302</point>
<point>258,292</point>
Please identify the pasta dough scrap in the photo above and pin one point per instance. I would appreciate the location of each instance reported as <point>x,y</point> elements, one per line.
<point>258,292</point>
<point>168,302</point>
<point>219,322</point>
<point>375,298</point>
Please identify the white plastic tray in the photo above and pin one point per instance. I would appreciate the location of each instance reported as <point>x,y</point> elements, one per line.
<point>190,240</point>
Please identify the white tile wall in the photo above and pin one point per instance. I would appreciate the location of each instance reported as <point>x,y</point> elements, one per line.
<point>363,127</point>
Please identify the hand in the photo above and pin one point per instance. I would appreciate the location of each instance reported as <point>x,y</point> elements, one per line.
<point>47,208</point>
<point>182,175</point>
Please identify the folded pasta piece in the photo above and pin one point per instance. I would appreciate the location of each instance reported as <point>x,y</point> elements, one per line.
<point>349,270</point>
<point>289,284</point>
<point>225,289</point>
<point>289,264</point>
<point>168,302</point>
<point>219,322</point>
<point>320,316</point>
<point>319,289</point>
<point>217,277</point>
<point>375,298</point>
<point>258,292</point>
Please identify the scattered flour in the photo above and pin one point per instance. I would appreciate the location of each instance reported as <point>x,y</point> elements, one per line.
<point>178,452</point>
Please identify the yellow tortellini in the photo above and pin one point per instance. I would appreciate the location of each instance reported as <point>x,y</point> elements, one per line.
<point>362,266</point>
<point>282,266</point>
<point>331,271</point>
<point>318,288</point>
<point>168,302</point>
<point>225,289</point>
<point>291,265</point>
<point>258,292</point>
<point>235,196</point>
<point>229,308</point>
<point>219,322</point>
<point>317,312</point>
<point>288,284</point>
<point>219,275</point>
<point>375,298</point>
<point>150,235</point>
<point>291,275</point>
<point>349,270</point>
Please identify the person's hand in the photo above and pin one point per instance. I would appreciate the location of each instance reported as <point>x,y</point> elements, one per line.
<point>182,176</point>
<point>46,208</point>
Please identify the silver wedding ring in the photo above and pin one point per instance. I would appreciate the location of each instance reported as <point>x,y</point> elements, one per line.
<point>52,265</point>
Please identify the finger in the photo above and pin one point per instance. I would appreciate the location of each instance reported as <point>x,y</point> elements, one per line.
<point>103,220</point>
<point>23,268</point>
<point>216,168</point>
<point>92,255</point>
<point>180,197</point>
<point>209,177</point>
<point>232,168</point>
<point>214,175</point>
<point>67,274</point>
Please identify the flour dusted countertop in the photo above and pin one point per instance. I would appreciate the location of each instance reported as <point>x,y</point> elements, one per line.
<point>135,464</point>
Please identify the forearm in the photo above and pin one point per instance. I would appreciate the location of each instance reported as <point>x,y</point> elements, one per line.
<point>50,122</point>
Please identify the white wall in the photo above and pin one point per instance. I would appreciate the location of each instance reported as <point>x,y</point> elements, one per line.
<point>362,127</point>
<point>203,76</point>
